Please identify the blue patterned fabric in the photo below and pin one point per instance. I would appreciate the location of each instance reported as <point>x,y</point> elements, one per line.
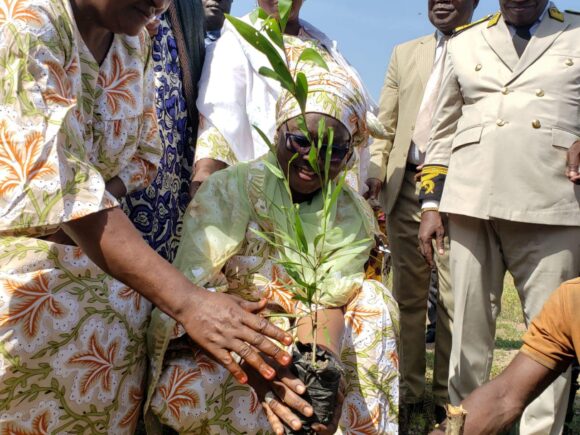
<point>157,211</point>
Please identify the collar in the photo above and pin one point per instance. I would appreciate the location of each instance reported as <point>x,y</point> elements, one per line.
<point>541,17</point>
<point>213,35</point>
<point>440,38</point>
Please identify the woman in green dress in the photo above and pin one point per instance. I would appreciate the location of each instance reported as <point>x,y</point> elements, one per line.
<point>221,251</point>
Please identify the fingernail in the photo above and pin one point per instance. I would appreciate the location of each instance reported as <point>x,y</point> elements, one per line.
<point>300,389</point>
<point>243,379</point>
<point>296,424</point>
<point>286,359</point>
<point>270,373</point>
<point>308,410</point>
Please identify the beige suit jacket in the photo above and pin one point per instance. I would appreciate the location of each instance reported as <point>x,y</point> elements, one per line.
<point>503,124</point>
<point>409,69</point>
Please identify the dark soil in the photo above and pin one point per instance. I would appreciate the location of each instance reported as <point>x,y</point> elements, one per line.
<point>322,383</point>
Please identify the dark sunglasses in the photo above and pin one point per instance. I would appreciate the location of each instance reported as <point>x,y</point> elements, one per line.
<point>300,144</point>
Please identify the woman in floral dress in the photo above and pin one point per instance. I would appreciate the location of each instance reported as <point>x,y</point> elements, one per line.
<point>78,131</point>
<point>221,251</point>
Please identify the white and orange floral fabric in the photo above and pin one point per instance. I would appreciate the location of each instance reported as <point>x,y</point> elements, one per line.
<point>68,125</point>
<point>72,348</point>
<point>221,251</point>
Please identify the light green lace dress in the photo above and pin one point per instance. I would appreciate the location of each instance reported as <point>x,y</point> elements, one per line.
<point>193,394</point>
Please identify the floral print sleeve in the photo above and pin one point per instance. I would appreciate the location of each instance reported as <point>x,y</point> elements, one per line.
<point>45,174</point>
<point>142,168</point>
<point>211,144</point>
<point>72,338</point>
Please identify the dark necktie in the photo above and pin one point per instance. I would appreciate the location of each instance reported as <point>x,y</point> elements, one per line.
<point>521,38</point>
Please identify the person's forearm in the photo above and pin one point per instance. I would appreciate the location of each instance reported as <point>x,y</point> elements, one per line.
<point>116,187</point>
<point>205,167</point>
<point>490,409</point>
<point>219,323</point>
<point>107,237</point>
<point>496,405</point>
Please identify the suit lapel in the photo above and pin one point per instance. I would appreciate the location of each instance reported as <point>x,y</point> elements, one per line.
<point>545,35</point>
<point>424,58</point>
<point>499,39</point>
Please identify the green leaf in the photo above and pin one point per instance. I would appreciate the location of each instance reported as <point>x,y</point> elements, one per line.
<point>290,265</point>
<point>263,45</point>
<point>301,122</point>
<point>290,242</point>
<point>310,55</point>
<point>321,128</point>
<point>321,136</point>
<point>313,159</point>
<point>301,90</point>
<point>268,72</point>
<point>302,299</point>
<point>317,239</point>
<point>284,8</point>
<point>300,231</point>
<point>272,28</point>
<point>337,189</point>
<point>328,154</point>
<point>262,235</point>
<point>254,15</point>
<point>274,169</point>
<point>265,138</point>
<point>295,275</point>
<point>258,14</point>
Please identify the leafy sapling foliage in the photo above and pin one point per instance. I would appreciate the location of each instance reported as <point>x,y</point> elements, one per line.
<point>307,264</point>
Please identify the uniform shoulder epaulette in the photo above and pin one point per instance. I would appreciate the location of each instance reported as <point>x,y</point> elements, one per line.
<point>555,14</point>
<point>494,20</point>
<point>572,12</point>
<point>460,29</point>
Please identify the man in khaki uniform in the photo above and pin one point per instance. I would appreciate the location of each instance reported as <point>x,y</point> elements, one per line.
<point>507,114</point>
<point>392,178</point>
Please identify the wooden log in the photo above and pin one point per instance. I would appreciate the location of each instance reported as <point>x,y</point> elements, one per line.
<point>455,420</point>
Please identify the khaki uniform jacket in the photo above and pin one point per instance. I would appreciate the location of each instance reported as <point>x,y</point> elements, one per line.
<point>503,124</point>
<point>409,70</point>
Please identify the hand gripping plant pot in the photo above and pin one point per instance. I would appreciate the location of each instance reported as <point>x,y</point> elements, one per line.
<point>322,382</point>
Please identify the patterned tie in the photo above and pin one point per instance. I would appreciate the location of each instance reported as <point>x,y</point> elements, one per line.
<point>521,38</point>
<point>427,109</point>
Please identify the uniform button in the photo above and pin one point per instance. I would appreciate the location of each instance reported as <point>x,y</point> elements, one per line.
<point>478,67</point>
<point>569,62</point>
<point>540,93</point>
<point>500,122</point>
<point>536,123</point>
<point>505,90</point>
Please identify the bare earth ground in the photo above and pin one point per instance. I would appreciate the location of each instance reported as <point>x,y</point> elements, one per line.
<point>510,328</point>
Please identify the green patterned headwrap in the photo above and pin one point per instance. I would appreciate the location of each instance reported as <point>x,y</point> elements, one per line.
<point>337,94</point>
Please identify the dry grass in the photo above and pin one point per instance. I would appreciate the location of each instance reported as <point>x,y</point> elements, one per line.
<point>510,329</point>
